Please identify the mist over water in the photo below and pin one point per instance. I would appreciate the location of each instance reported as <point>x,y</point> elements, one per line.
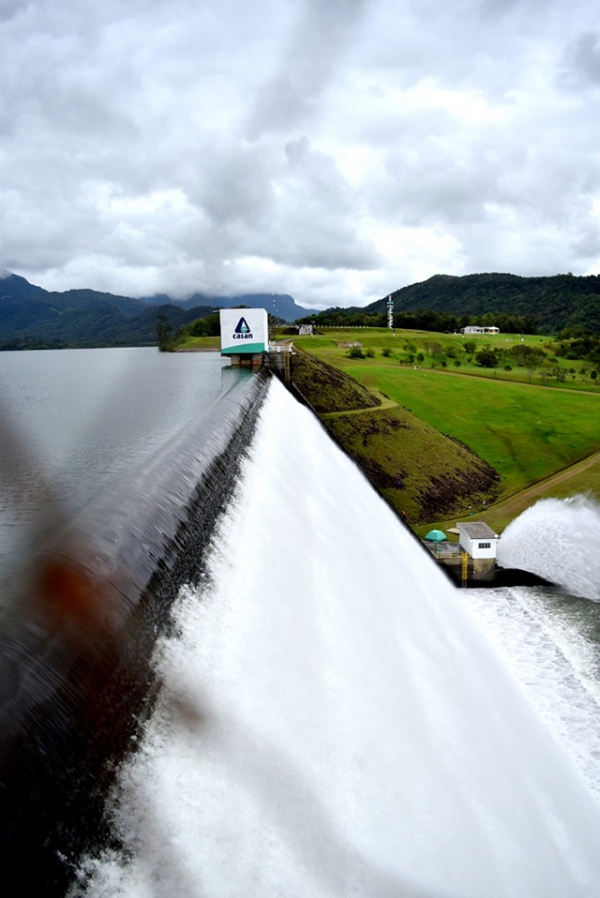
<point>332,720</point>
<point>558,539</point>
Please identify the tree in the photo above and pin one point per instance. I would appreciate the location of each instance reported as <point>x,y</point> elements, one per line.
<point>163,329</point>
<point>209,326</point>
<point>486,358</point>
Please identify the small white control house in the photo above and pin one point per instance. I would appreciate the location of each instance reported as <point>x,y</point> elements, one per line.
<point>478,539</point>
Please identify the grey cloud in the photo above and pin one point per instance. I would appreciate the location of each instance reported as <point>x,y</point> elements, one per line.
<point>233,181</point>
<point>319,36</point>
<point>202,145</point>
<point>588,245</point>
<point>582,62</point>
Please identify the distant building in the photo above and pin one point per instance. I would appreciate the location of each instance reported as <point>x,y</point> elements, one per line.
<point>473,329</point>
<point>305,330</point>
<point>478,539</point>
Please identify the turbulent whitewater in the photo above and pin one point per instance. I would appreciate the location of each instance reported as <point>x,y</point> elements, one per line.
<point>558,539</point>
<point>332,720</point>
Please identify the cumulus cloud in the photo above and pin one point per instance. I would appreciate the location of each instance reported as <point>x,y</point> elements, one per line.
<point>334,150</point>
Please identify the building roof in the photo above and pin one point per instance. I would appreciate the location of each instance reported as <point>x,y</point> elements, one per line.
<point>478,530</point>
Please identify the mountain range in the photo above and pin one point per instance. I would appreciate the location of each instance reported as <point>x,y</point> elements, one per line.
<point>33,317</point>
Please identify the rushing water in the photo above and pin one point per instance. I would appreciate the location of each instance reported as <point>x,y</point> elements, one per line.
<point>550,640</point>
<point>91,569</point>
<point>332,720</point>
<point>558,540</point>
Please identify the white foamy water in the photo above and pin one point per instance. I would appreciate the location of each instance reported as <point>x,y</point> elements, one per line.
<point>558,539</point>
<point>333,721</point>
<point>542,637</point>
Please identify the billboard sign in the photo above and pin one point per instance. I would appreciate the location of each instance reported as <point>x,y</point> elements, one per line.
<point>244,331</point>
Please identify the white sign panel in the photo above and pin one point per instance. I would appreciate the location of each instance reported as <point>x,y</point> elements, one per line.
<point>243,331</point>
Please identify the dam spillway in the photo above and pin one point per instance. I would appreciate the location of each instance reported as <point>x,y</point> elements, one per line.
<point>329,719</point>
<point>332,721</point>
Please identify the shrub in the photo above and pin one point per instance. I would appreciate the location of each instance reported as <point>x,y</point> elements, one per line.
<point>486,359</point>
<point>370,352</point>
<point>355,352</point>
<point>386,352</point>
<point>433,348</point>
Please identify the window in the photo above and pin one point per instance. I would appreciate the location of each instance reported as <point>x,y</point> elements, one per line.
<point>484,545</point>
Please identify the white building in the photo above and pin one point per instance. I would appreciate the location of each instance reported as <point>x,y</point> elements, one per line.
<point>475,329</point>
<point>478,539</point>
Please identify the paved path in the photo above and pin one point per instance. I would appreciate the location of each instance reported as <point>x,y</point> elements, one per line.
<point>385,403</point>
<point>542,487</point>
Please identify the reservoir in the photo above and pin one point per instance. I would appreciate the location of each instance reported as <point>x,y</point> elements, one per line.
<point>88,417</point>
<point>333,717</point>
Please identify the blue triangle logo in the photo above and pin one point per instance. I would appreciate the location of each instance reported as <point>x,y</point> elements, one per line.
<point>242,327</point>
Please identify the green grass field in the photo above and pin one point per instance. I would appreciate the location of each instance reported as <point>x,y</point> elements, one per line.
<point>525,426</point>
<point>199,344</point>
<point>405,346</point>
<point>525,432</point>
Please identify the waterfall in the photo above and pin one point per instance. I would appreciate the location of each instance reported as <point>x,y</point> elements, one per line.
<point>558,539</point>
<point>332,721</point>
<point>79,618</point>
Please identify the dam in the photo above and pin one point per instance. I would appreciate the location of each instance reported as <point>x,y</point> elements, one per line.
<point>327,716</point>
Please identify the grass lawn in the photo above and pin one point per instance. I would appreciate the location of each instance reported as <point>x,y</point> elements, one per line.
<point>200,344</point>
<point>526,431</point>
<point>408,344</point>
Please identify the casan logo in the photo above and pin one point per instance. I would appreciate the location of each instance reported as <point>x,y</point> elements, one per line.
<point>242,331</point>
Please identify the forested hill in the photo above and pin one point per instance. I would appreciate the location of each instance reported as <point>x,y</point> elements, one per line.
<point>558,302</point>
<point>32,317</point>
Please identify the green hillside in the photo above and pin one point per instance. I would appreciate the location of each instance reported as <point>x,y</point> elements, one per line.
<point>420,471</point>
<point>522,426</point>
<point>557,302</point>
<point>34,318</point>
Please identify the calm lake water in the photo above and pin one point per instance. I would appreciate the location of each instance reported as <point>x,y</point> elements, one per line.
<point>86,417</point>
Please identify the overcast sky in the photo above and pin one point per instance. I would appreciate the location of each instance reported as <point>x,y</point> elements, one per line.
<point>331,149</point>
